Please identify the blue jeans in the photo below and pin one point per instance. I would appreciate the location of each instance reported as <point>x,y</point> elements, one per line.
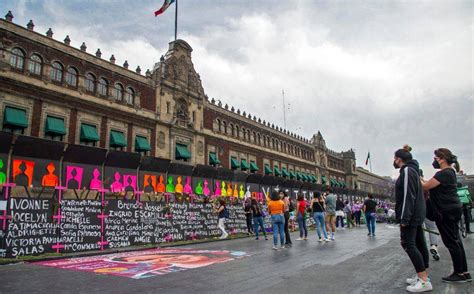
<point>319,221</point>
<point>278,224</point>
<point>370,223</point>
<point>256,222</point>
<point>302,225</point>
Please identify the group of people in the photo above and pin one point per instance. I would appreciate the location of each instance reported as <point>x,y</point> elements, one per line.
<point>433,203</point>
<point>421,205</point>
<point>325,208</point>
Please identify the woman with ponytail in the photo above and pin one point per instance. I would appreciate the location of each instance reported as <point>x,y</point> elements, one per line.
<point>447,211</point>
<point>410,212</point>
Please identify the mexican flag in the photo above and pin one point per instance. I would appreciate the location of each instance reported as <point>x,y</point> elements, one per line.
<point>165,6</point>
<point>368,157</point>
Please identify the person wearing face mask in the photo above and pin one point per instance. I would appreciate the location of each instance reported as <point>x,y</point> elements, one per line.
<point>446,210</point>
<point>410,211</point>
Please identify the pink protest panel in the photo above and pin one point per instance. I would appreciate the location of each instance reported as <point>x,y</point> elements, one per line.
<point>74,177</point>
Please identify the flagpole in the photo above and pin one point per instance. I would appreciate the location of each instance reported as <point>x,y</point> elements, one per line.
<point>370,162</point>
<point>176,21</point>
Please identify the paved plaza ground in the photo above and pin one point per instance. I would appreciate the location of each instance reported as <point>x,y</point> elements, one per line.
<point>354,263</point>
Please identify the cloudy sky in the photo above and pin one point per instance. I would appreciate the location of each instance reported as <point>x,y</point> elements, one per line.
<point>370,75</point>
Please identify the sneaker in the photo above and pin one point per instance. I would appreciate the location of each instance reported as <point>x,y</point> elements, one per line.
<point>256,238</point>
<point>288,245</point>
<point>420,286</point>
<point>320,240</point>
<point>299,239</point>
<point>305,238</point>
<point>468,277</point>
<point>412,281</point>
<point>282,247</point>
<point>434,252</point>
<point>373,235</point>
<point>454,278</point>
<point>332,238</point>
<point>369,234</point>
<point>266,239</point>
<point>327,240</point>
<point>275,248</point>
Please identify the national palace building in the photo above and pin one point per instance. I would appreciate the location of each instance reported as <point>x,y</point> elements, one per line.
<point>49,89</point>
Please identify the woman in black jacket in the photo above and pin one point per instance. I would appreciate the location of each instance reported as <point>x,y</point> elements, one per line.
<point>446,209</point>
<point>410,212</point>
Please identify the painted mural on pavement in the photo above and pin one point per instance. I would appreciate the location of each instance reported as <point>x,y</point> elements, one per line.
<point>146,263</point>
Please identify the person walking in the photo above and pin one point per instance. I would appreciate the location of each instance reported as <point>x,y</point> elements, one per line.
<point>370,208</point>
<point>276,207</point>
<point>330,202</point>
<point>431,227</point>
<point>446,210</point>
<point>339,213</point>
<point>248,215</point>
<point>222,214</point>
<point>410,212</point>
<point>257,214</point>
<point>317,205</point>
<point>288,208</point>
<point>300,217</point>
<point>466,200</point>
<point>348,212</point>
<point>356,211</point>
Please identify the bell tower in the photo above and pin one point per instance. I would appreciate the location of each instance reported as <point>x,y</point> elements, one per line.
<point>180,99</point>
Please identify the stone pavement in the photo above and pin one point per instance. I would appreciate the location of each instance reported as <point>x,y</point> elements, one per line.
<point>354,263</point>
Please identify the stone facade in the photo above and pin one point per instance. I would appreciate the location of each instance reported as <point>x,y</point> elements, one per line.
<point>372,183</point>
<point>167,106</point>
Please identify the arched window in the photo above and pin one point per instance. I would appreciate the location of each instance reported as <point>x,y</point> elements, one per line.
<point>243,133</point>
<point>273,143</point>
<point>118,92</point>
<point>90,83</point>
<point>224,127</point>
<point>254,137</point>
<point>57,72</point>
<point>248,134</point>
<point>17,58</point>
<point>259,139</point>
<point>102,87</point>
<point>237,131</point>
<point>71,77</point>
<point>232,130</point>
<point>219,125</point>
<point>35,64</point>
<point>130,96</point>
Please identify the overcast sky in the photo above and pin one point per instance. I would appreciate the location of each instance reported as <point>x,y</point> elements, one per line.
<point>370,75</point>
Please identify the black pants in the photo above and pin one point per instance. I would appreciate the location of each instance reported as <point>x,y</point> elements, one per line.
<point>249,223</point>
<point>357,217</point>
<point>467,216</point>
<point>448,228</point>
<point>287,231</point>
<point>413,242</point>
